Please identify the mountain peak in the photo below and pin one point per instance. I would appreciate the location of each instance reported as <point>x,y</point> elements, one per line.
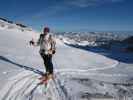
<point>8,24</point>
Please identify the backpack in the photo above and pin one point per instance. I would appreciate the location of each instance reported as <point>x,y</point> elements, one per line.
<point>51,40</point>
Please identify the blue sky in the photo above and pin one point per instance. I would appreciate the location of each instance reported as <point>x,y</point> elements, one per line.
<point>71,15</point>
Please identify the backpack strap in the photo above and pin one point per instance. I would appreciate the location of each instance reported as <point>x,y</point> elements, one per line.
<point>40,40</point>
<point>52,41</point>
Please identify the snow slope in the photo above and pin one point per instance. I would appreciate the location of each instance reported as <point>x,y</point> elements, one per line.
<point>79,74</point>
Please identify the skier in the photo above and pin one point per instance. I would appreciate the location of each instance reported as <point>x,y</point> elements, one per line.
<point>47,49</point>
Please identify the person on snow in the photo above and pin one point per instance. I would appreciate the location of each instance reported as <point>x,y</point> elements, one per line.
<point>47,49</point>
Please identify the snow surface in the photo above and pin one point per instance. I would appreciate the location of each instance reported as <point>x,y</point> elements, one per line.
<point>79,74</point>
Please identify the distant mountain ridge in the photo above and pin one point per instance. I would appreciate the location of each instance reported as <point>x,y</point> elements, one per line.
<point>8,24</point>
<point>11,22</point>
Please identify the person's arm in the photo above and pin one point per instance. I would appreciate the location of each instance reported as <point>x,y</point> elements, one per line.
<point>39,41</point>
<point>53,45</point>
<point>31,42</point>
<point>36,43</point>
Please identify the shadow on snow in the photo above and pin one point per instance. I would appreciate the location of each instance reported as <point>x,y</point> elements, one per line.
<point>119,56</point>
<point>21,66</point>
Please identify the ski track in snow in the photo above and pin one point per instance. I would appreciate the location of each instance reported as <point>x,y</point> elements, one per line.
<point>25,85</point>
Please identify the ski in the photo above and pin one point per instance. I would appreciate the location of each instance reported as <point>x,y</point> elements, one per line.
<point>45,82</point>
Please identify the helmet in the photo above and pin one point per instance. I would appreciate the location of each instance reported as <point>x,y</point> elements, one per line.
<point>46,29</point>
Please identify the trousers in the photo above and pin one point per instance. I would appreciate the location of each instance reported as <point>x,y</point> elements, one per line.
<point>47,62</point>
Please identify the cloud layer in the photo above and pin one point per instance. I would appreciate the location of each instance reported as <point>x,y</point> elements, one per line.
<point>87,3</point>
<point>64,5</point>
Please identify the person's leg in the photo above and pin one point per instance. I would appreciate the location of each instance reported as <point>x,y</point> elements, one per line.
<point>50,64</point>
<point>50,67</point>
<point>46,58</point>
<point>44,78</point>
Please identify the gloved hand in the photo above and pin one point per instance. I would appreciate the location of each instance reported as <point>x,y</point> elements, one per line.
<point>31,42</point>
<point>53,51</point>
